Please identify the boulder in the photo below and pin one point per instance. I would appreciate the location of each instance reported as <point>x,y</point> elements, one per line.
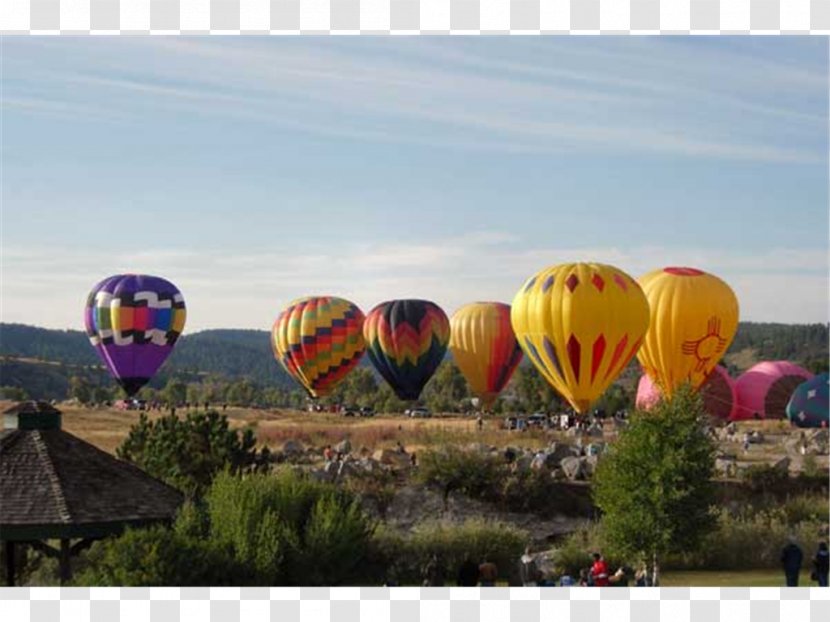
<point>292,447</point>
<point>573,468</point>
<point>392,457</point>
<point>782,464</point>
<point>369,465</point>
<point>756,438</point>
<point>346,468</point>
<point>479,448</point>
<point>558,451</point>
<point>343,447</point>
<point>594,431</point>
<point>590,463</point>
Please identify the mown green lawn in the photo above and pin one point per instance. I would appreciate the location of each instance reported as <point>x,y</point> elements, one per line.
<point>728,578</point>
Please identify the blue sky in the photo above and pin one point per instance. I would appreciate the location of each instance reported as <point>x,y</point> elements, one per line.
<point>250,171</point>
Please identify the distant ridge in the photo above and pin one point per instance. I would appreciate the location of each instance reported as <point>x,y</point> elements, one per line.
<point>245,353</point>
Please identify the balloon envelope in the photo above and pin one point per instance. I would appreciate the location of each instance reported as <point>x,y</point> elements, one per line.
<point>318,340</point>
<point>484,347</point>
<point>694,316</point>
<point>406,341</point>
<point>133,322</point>
<point>809,406</point>
<point>580,324</point>
<point>765,389</point>
<point>718,393</point>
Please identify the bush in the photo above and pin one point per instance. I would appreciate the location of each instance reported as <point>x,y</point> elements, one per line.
<point>252,530</point>
<point>188,453</point>
<point>159,556</point>
<point>404,556</point>
<point>289,529</point>
<point>753,540</point>
<point>452,469</point>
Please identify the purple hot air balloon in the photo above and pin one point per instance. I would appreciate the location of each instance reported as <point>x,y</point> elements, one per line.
<point>133,322</point>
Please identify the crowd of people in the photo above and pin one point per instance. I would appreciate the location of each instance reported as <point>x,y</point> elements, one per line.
<point>485,573</point>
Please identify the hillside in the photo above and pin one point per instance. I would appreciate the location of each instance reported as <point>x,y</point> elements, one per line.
<point>42,360</point>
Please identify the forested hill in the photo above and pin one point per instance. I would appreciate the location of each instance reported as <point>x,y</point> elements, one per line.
<point>230,353</point>
<point>237,353</point>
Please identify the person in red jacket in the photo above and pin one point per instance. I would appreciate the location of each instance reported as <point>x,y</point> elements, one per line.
<point>599,571</point>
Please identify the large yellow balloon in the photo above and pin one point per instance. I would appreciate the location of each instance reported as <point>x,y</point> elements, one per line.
<point>484,347</point>
<point>694,316</point>
<point>580,324</point>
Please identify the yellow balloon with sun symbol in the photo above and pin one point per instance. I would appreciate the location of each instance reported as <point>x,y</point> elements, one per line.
<point>580,324</point>
<point>694,317</point>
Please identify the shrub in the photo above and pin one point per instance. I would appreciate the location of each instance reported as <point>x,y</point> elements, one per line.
<point>452,469</point>
<point>289,529</point>
<point>404,556</point>
<point>188,453</point>
<point>159,556</point>
<point>752,540</point>
<point>249,530</point>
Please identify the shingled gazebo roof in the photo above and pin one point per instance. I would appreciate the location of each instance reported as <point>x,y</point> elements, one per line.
<point>53,485</point>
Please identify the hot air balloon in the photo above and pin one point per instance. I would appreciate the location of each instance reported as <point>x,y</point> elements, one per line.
<point>406,341</point>
<point>580,324</point>
<point>809,406</point>
<point>484,347</point>
<point>318,340</point>
<point>764,389</point>
<point>133,322</point>
<point>718,393</point>
<point>694,316</point>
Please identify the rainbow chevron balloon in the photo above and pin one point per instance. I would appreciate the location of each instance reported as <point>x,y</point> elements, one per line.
<point>406,341</point>
<point>318,340</point>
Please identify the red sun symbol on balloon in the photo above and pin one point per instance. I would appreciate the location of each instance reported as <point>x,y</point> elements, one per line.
<point>706,347</point>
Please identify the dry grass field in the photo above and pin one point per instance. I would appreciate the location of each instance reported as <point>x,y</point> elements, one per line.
<point>106,428</point>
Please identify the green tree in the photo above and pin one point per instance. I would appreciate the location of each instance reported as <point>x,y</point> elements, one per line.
<point>655,487</point>
<point>175,392</point>
<point>446,389</point>
<point>187,453</point>
<point>80,389</point>
<point>13,393</point>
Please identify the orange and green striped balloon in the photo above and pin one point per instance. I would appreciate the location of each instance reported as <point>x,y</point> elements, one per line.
<point>406,341</point>
<point>319,340</point>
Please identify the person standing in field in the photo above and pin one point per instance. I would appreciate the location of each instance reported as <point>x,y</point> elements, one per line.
<point>468,574</point>
<point>480,422</point>
<point>791,557</point>
<point>599,571</point>
<point>487,573</point>
<point>528,569</point>
<point>821,565</point>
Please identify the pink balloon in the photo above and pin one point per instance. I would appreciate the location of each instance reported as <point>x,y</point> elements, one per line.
<point>764,389</point>
<point>718,393</point>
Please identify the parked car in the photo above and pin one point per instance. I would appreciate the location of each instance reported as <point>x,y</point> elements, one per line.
<point>367,411</point>
<point>350,411</point>
<point>515,423</point>
<point>420,413</point>
<point>538,420</point>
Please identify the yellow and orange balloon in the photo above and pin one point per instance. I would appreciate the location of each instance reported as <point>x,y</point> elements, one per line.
<point>484,347</point>
<point>580,324</point>
<point>318,340</point>
<point>694,317</point>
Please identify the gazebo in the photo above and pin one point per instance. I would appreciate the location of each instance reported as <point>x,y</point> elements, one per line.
<point>54,486</point>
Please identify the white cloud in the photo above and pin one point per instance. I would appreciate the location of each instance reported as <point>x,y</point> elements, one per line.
<point>247,291</point>
<point>650,97</point>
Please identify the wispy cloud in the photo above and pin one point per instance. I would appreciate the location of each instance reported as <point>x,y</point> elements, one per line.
<point>680,100</point>
<point>251,288</point>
